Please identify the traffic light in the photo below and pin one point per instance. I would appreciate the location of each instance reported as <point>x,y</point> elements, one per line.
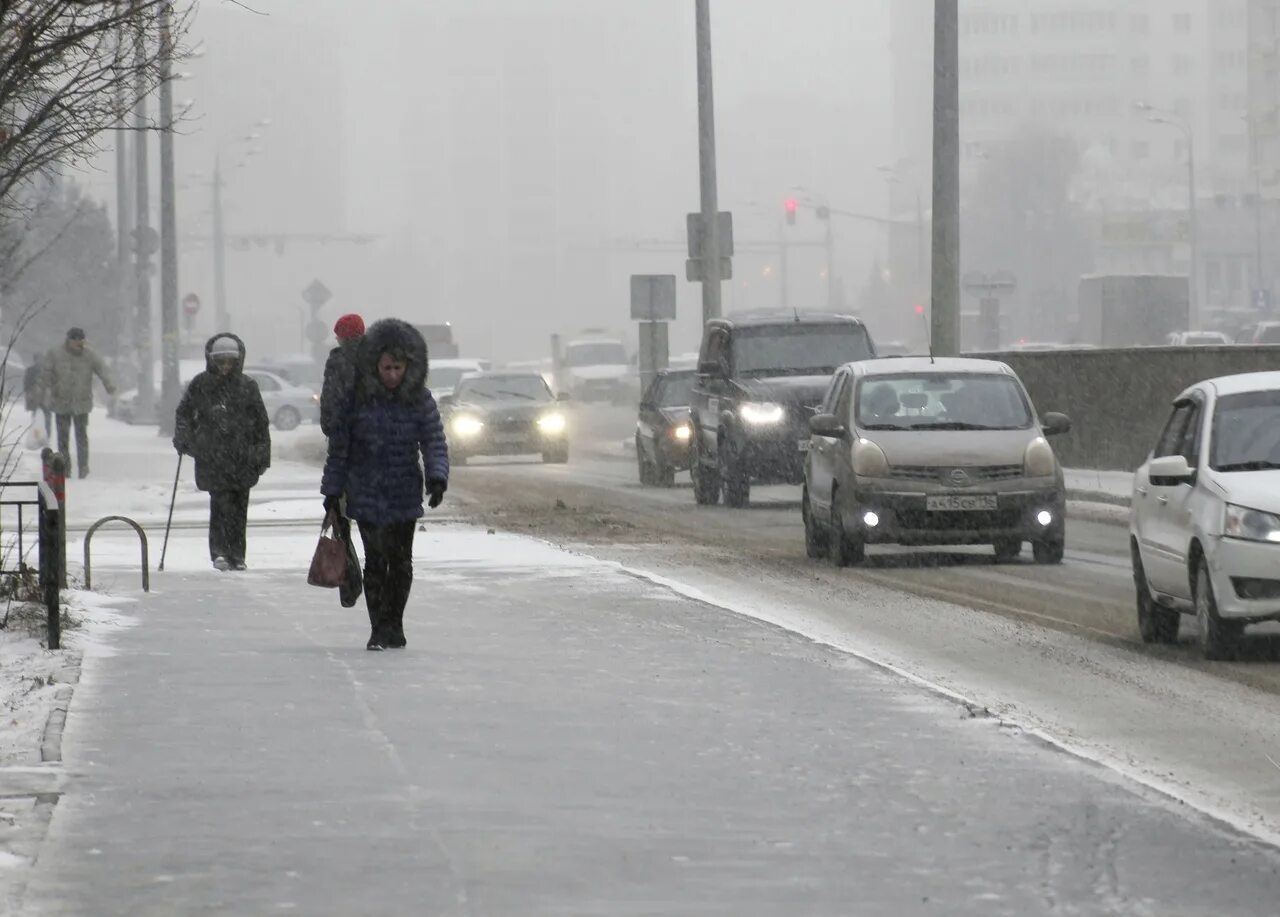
<point>791,206</point>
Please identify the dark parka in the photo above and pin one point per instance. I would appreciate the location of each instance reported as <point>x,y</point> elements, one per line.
<point>222,423</point>
<point>375,460</point>
<point>339,385</point>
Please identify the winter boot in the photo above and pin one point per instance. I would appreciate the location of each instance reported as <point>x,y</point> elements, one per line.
<point>221,563</point>
<point>376,641</point>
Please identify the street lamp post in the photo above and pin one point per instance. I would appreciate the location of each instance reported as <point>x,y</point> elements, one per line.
<point>711,306</point>
<point>144,239</point>
<point>169,378</point>
<point>944,316</point>
<point>1157,116</point>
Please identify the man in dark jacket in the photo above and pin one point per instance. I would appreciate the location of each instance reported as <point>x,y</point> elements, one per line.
<point>222,423</point>
<point>340,374</point>
<point>393,424</point>
<point>67,381</point>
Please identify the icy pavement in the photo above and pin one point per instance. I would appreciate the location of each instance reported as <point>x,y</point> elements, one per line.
<point>564,737</point>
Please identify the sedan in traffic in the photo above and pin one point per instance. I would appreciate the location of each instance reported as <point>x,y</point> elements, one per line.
<point>288,405</point>
<point>916,451</point>
<point>663,432</point>
<point>497,413</point>
<point>1205,514</point>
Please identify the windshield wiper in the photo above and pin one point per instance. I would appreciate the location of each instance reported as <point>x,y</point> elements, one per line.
<point>517,395</point>
<point>884,426</point>
<point>1249,466</point>
<point>954,425</point>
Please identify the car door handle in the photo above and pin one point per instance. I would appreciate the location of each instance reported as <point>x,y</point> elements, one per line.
<point>1142,491</point>
<point>1163,501</point>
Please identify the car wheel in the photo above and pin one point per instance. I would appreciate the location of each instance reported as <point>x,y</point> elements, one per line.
<point>845,550</point>
<point>1219,639</point>
<point>1155,624</point>
<point>1048,552</point>
<point>736,484</point>
<point>1007,549</point>
<point>706,483</point>
<point>815,540</point>
<point>643,467</point>
<point>287,418</point>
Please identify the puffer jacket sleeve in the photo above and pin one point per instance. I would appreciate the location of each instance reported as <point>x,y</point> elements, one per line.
<point>261,427</point>
<point>435,448</point>
<point>337,464</point>
<point>184,422</point>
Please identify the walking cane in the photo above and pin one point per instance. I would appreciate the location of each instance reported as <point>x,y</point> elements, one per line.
<point>173,499</point>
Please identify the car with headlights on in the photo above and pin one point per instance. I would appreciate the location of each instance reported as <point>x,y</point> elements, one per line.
<point>662,428</point>
<point>1205,514</point>
<point>502,413</point>
<point>759,378</point>
<point>918,451</point>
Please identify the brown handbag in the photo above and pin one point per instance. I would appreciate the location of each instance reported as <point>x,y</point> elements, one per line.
<point>329,562</point>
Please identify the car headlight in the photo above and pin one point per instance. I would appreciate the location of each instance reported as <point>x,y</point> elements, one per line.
<point>1039,460</point>
<point>869,460</point>
<point>1251,524</point>
<point>551,423</point>
<point>761,414</point>
<point>682,432</point>
<point>467,426</point>
<point>315,398</point>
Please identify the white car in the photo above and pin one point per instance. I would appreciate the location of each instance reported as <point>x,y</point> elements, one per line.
<point>1205,519</point>
<point>443,374</point>
<point>287,404</point>
<point>1197,339</point>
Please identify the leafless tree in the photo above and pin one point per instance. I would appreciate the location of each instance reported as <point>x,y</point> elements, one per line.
<point>70,70</point>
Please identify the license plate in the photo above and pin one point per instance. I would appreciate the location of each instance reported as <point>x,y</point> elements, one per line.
<point>509,438</point>
<point>961,503</point>
<point>803,445</point>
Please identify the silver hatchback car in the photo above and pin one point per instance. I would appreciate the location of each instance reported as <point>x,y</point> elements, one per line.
<point>918,451</point>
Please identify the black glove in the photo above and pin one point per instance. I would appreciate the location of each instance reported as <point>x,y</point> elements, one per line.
<point>181,448</point>
<point>436,489</point>
<point>331,506</point>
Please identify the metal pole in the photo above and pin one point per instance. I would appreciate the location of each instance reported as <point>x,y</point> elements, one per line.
<point>1194,276</point>
<point>1259,282</point>
<point>169,329</point>
<point>945,313</point>
<point>784,267</point>
<point>220,320</point>
<point>707,167</point>
<point>145,238</point>
<point>124,213</point>
<point>830,243</point>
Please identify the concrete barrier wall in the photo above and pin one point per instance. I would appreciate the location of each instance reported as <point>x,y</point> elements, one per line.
<point>1119,400</point>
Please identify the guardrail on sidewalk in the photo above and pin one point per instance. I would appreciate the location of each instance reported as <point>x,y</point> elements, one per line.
<point>51,536</point>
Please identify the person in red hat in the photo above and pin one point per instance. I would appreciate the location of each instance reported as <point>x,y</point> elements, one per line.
<point>340,374</point>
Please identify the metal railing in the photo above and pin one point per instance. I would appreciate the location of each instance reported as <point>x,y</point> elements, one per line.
<point>51,536</point>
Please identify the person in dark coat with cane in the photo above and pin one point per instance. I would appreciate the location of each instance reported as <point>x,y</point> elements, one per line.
<point>222,423</point>
<point>393,433</point>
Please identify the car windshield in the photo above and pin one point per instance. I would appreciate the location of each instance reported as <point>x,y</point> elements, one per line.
<point>1246,432</point>
<point>676,391</point>
<point>941,401</point>
<point>799,349</point>
<point>604,353</point>
<point>447,376</point>
<point>504,388</point>
<point>1269,335</point>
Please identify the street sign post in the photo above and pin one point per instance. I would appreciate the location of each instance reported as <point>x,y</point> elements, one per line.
<point>989,288</point>
<point>695,268</point>
<point>653,304</point>
<point>190,306</point>
<point>316,295</point>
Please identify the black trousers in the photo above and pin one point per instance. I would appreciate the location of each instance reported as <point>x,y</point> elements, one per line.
<point>388,574</point>
<point>81,422</point>
<point>228,516</point>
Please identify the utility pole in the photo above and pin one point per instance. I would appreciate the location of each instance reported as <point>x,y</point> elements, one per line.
<point>1194,229</point>
<point>707,167</point>
<point>220,321</point>
<point>945,313</point>
<point>784,266</point>
<point>829,240</point>
<point>124,212</point>
<point>145,242</point>
<point>169,330</point>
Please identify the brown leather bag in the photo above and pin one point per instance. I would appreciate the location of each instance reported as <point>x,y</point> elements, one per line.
<point>329,562</point>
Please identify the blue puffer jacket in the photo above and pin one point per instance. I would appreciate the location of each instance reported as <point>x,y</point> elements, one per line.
<point>376,460</point>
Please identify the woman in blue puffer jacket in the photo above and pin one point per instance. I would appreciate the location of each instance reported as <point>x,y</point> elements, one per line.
<point>374,461</point>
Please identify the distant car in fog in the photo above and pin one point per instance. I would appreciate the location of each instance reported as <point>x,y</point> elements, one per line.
<point>892,349</point>
<point>1259,333</point>
<point>505,413</point>
<point>288,405</point>
<point>1197,339</point>
<point>663,431</point>
<point>443,375</point>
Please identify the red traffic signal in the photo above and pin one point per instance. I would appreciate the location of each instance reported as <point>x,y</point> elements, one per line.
<point>919,310</point>
<point>791,205</point>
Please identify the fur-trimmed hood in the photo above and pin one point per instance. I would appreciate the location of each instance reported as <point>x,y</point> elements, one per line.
<point>401,337</point>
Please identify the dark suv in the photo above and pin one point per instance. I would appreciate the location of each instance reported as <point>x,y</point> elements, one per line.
<point>759,380</point>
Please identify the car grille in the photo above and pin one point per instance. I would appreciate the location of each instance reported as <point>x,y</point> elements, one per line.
<point>976,474</point>
<point>923,520</point>
<point>510,425</point>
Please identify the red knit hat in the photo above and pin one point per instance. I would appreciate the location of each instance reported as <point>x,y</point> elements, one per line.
<point>349,326</point>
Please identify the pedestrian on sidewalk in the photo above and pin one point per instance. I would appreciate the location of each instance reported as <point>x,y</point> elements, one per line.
<point>393,421</point>
<point>340,374</point>
<point>34,395</point>
<point>221,422</point>
<point>67,382</point>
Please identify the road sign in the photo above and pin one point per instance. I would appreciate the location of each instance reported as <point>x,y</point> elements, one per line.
<point>693,270</point>
<point>317,331</point>
<point>697,235</point>
<point>975,283</point>
<point>653,297</point>
<point>316,295</point>
<point>191,304</point>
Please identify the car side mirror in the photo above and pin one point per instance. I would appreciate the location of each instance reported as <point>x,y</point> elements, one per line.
<point>446,401</point>
<point>1055,424</point>
<point>1170,469</point>
<point>827,425</point>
